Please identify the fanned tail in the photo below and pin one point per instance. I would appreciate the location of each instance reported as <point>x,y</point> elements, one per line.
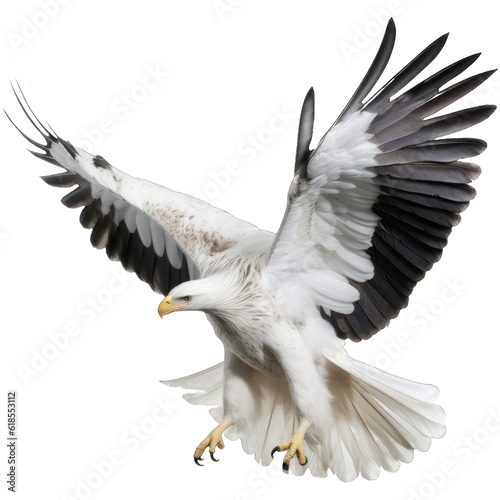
<point>377,419</point>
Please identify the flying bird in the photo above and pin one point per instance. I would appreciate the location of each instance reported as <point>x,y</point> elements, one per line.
<point>369,213</point>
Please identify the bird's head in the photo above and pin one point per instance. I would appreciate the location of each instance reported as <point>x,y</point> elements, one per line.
<point>171,303</point>
<point>219,294</point>
<point>188,296</point>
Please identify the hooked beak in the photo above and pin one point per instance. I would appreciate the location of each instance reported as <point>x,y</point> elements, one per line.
<point>165,306</point>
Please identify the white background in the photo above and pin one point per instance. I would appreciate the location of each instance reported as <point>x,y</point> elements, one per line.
<point>222,76</point>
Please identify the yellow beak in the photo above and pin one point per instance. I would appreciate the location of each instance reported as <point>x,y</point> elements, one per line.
<point>165,306</point>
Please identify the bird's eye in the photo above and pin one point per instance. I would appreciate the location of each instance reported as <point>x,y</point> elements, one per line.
<point>187,298</point>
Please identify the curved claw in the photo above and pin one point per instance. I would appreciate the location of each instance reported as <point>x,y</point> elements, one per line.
<point>197,462</point>
<point>305,463</point>
<point>212,456</point>
<point>285,467</point>
<point>275,449</point>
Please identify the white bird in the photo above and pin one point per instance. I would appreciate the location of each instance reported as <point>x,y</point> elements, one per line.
<point>369,212</point>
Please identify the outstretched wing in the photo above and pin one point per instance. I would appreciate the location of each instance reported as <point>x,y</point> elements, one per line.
<point>163,236</point>
<point>371,208</point>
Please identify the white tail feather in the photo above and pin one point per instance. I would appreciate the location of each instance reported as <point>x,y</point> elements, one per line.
<point>208,384</point>
<point>377,421</point>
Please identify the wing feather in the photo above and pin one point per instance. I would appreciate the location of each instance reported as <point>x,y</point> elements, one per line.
<point>164,237</point>
<point>378,197</point>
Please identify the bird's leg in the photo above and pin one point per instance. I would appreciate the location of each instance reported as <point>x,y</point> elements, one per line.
<point>294,447</point>
<point>213,440</point>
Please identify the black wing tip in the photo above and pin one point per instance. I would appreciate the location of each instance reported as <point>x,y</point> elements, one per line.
<point>437,45</point>
<point>309,101</point>
<point>390,28</point>
<point>48,135</point>
<point>306,123</point>
<point>310,95</point>
<point>473,57</point>
<point>481,145</point>
<point>482,77</point>
<point>389,38</point>
<point>439,42</point>
<point>485,75</point>
<point>488,109</point>
<point>444,37</point>
<point>25,106</point>
<point>9,118</point>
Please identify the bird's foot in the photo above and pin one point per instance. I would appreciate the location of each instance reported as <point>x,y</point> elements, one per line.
<point>213,440</point>
<point>294,447</point>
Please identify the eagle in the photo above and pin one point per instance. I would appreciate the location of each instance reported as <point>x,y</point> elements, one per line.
<point>369,212</point>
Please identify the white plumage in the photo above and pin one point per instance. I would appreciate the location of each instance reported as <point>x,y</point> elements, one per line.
<point>369,212</point>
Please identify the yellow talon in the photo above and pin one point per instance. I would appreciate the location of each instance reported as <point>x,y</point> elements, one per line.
<point>213,440</point>
<point>294,447</point>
